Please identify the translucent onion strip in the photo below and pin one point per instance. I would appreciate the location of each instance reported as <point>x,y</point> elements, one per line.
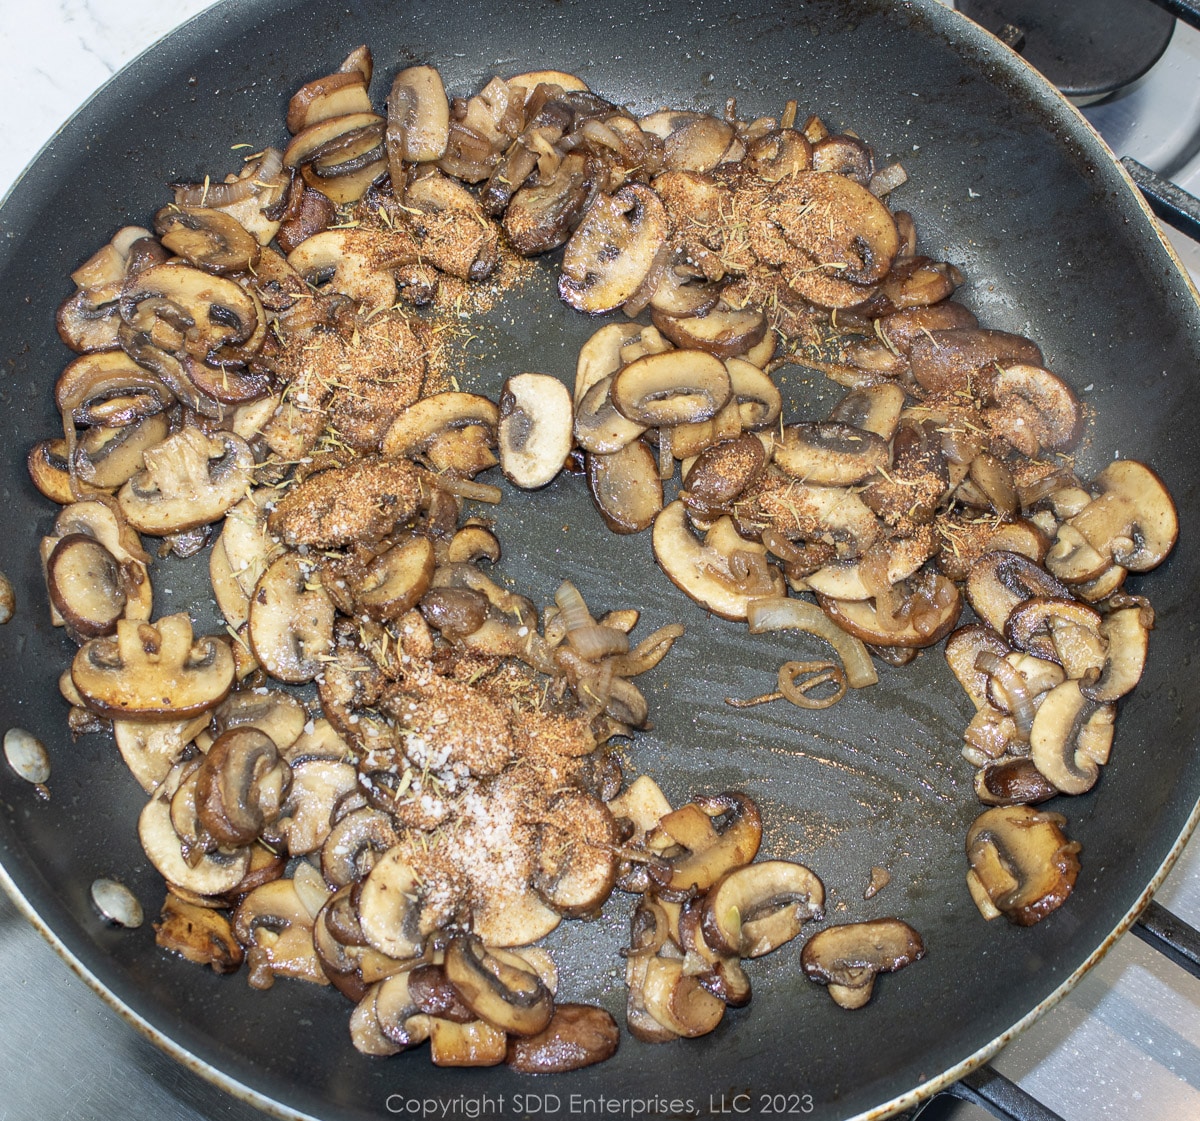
<point>778,613</point>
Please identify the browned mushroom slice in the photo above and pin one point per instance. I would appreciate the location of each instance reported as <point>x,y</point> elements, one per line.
<point>366,1031</point>
<point>963,648</point>
<point>720,474</point>
<point>109,389</point>
<point>419,429</point>
<point>153,671</point>
<point>396,580</point>
<point>535,430</point>
<point>209,239</point>
<point>322,136</point>
<point>679,1002</point>
<point>714,834</point>
<point>722,573</point>
<point>108,457</point>
<point>609,256</point>
<point>1132,520</point>
<point>922,611</point>
<point>275,926</point>
<point>755,909</point>
<point>334,95</point>
<point>759,401</point>
<point>830,454</point>
<point>452,230</point>
<point>1011,782</point>
<point>203,935</point>
<point>466,1045</point>
<point>1022,865</point>
<point>674,387</point>
<point>1059,630</point>
<point>354,842</point>
<point>86,586</point>
<point>498,987</point>
<point>724,331</point>
<point>241,786</point>
<point>577,1036</point>
<point>278,714</point>
<point>626,487</point>
<point>317,786</point>
<point>542,215</point>
<point>214,873</point>
<point>418,120</point>
<point>343,260</point>
<point>390,911</point>
<point>1073,559</point>
<point>883,566</point>
<point>599,427</point>
<point>778,154</point>
<point>1126,630</point>
<point>399,1017</point>
<point>1033,410</point>
<point>966,358</point>
<point>576,863</point>
<point>50,471</point>
<point>291,620</point>
<point>692,141</point>
<point>189,479</point>
<point>850,956</point>
<point>1071,738</point>
<point>151,748</point>
<point>1000,581</point>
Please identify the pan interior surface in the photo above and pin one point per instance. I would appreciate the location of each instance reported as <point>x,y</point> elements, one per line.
<point>1003,181</point>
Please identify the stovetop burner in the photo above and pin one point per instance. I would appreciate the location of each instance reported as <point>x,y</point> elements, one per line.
<point>1087,48</point>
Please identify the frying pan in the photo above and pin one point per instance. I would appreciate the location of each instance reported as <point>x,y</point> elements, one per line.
<point>1005,181</point>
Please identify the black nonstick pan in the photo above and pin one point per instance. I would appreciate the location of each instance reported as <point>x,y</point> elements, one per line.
<point>1006,181</point>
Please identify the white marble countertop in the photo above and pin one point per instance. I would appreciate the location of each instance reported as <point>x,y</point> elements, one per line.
<point>1123,1046</point>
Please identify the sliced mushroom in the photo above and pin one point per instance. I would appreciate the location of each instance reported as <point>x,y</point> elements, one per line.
<point>275,926</point>
<point>203,935</point>
<point>343,261</point>
<point>1126,631</point>
<point>919,613</point>
<point>214,873</point>
<point>829,454</point>
<point>609,256</point>
<point>541,216</point>
<point>291,620</point>
<point>1132,520</point>
<point>317,786</point>
<point>1058,630</point>
<point>418,122</point>
<point>873,408</point>
<point>151,748</point>
<point>576,865</point>
<point>86,586</point>
<point>963,648</point>
<point>353,844</point>
<point>535,430</point>
<point>577,1036</point>
<point>334,95</point>
<point>241,786</point>
<point>209,239</point>
<point>419,429</point>
<point>720,474</point>
<point>599,427</point>
<point>1011,782</point>
<point>1022,866</point>
<point>965,358</point>
<point>755,909</point>
<point>154,671</point>
<point>389,908</point>
<point>1033,409</point>
<point>758,399</point>
<point>1071,738</point>
<point>708,850</point>
<point>626,487</point>
<point>848,957</point>
<point>674,387</point>
<point>679,1002</point>
<point>1000,581</point>
<point>109,389</point>
<point>399,1017</point>
<point>108,457</point>
<point>706,570</point>
<point>508,995</point>
<point>189,480</point>
<point>722,331</point>
<point>466,1045</point>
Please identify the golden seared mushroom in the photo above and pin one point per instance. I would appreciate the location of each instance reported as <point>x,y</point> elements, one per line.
<point>722,331</point>
<point>753,910</point>
<point>626,487</point>
<point>962,652</point>
<point>318,785</point>
<point>432,427</point>
<point>1000,581</point>
<point>718,972</point>
<point>921,612</point>
<point>108,457</point>
<point>189,480</point>
<point>390,911</point>
<point>418,121</point>
<point>872,408</point>
<point>466,1045</point>
<point>703,840</point>
<point>342,260</point>
<point>670,388</point>
<point>334,95</point>
<point>1132,520</point>
<point>203,935</point>
<point>275,927</point>
<point>535,430</point>
<point>1126,633</point>
<point>498,987</point>
<point>723,573</point>
<point>1071,738</point>
<point>1009,782</point>
<point>599,427</point>
<point>964,357</point>
<point>153,671</point>
<point>399,1018</point>
<point>110,390</point>
<point>759,401</point>
<point>397,579</point>
<point>542,215</point>
<point>720,474</point>
<point>201,873</point>
<point>850,956</point>
<point>576,864</point>
<point>577,1036</point>
<point>49,467</point>
<point>291,620</point>
<point>366,1030</point>
<point>278,714</point>
<point>609,256</point>
<point>241,786</point>
<point>1033,410</point>
<point>340,156</point>
<point>883,565</point>
<point>829,453</point>
<point>601,355</point>
<point>1021,864</point>
<point>679,1001</point>
<point>209,239</point>
<point>150,748</point>
<point>87,586</point>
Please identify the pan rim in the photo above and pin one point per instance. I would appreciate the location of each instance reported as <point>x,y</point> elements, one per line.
<point>254,1097</point>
